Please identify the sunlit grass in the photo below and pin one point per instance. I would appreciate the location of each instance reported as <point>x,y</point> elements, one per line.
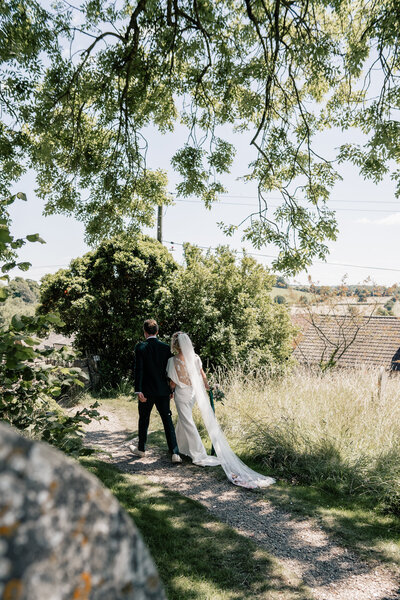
<point>324,437</point>
<point>335,430</point>
<point>198,557</point>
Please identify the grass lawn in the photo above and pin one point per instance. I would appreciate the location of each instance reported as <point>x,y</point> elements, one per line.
<point>291,295</point>
<point>197,556</point>
<point>354,521</point>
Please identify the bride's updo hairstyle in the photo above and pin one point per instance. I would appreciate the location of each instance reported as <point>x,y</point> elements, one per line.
<point>175,347</point>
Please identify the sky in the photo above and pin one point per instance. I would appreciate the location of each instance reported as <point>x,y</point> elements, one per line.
<point>368,218</point>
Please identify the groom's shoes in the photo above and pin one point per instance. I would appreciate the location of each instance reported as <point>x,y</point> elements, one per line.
<point>135,450</point>
<point>176,459</point>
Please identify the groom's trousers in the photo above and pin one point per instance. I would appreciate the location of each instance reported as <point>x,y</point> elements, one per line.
<point>163,406</point>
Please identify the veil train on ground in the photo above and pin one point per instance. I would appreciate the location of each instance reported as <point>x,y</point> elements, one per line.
<point>236,471</point>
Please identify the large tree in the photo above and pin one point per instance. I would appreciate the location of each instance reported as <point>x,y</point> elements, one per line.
<point>224,304</point>
<point>104,297</point>
<point>226,307</point>
<point>81,85</point>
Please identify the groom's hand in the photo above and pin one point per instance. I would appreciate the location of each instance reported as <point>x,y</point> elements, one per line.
<point>141,397</point>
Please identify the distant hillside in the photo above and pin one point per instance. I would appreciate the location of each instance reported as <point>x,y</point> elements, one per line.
<point>291,295</point>
<point>23,296</point>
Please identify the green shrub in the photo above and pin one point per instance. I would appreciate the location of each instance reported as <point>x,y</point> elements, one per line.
<point>224,304</point>
<point>104,297</point>
<point>30,387</point>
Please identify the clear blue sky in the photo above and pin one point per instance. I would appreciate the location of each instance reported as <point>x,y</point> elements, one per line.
<point>368,217</point>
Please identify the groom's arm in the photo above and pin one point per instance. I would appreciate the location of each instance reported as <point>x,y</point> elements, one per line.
<point>138,370</point>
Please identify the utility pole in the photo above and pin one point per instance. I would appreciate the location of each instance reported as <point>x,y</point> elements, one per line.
<point>159,224</point>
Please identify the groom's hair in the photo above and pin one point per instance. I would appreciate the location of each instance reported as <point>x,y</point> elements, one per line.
<point>150,326</point>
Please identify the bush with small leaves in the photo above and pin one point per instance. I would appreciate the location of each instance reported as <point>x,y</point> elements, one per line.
<point>29,386</point>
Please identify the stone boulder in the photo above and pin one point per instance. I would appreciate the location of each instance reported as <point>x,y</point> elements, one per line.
<point>62,534</point>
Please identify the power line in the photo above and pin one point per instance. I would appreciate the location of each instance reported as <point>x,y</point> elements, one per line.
<point>271,256</point>
<point>331,200</point>
<point>375,210</point>
<point>303,199</point>
<point>47,266</point>
<point>321,262</point>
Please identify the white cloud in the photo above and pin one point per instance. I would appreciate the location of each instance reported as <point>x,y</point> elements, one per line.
<point>393,219</point>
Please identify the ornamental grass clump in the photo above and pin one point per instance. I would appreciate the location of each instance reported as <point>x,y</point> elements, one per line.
<point>339,430</point>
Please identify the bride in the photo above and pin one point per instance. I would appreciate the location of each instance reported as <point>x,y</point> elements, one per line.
<point>190,384</point>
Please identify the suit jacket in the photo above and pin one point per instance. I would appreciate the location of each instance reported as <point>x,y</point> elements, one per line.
<point>151,359</point>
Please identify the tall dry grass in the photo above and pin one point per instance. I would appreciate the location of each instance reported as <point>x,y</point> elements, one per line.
<point>337,429</point>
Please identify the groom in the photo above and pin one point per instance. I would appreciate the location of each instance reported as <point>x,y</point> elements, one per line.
<point>151,387</point>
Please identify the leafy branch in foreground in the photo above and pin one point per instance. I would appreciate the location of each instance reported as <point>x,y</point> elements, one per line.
<point>83,85</point>
<point>29,386</point>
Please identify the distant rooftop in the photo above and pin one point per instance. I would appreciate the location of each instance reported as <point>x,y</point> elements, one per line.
<point>56,341</point>
<point>376,343</point>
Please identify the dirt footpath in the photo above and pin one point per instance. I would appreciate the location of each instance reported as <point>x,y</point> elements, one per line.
<point>330,571</point>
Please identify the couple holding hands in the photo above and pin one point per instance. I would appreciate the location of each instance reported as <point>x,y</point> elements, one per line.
<point>161,370</point>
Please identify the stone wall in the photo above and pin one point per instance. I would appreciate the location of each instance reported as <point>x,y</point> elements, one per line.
<point>62,534</point>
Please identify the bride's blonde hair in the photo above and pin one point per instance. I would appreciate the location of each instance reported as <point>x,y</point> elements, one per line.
<point>175,347</point>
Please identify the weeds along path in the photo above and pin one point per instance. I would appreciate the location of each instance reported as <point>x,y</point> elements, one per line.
<point>330,571</point>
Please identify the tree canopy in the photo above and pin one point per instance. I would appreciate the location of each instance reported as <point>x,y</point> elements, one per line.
<point>82,84</point>
<point>225,306</point>
<point>104,297</point>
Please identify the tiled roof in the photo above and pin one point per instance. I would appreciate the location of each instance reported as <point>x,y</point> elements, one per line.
<point>376,343</point>
<point>56,340</point>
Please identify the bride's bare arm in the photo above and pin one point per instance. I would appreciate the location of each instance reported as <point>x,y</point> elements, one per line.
<point>204,379</point>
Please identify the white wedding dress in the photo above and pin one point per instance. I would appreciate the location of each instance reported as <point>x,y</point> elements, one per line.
<point>190,388</point>
<point>187,435</point>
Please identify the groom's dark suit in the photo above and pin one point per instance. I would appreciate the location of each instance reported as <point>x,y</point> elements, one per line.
<point>151,359</point>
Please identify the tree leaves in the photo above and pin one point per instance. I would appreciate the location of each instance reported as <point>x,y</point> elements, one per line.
<point>27,385</point>
<point>35,237</point>
<point>104,297</point>
<point>277,72</point>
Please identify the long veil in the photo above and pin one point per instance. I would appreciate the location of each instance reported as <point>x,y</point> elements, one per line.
<point>236,471</point>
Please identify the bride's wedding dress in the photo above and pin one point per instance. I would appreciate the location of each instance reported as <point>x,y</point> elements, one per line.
<point>190,388</point>
<point>187,436</point>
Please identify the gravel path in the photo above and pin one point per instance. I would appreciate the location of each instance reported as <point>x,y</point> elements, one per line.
<point>329,570</point>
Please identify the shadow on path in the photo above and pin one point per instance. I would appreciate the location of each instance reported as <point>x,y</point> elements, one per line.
<point>329,570</point>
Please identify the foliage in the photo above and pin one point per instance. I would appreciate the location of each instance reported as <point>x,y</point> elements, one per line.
<point>14,306</point>
<point>104,297</point>
<point>280,299</point>
<point>27,384</point>
<point>338,431</point>
<point>281,282</point>
<point>22,297</point>
<point>26,289</point>
<point>387,309</point>
<point>225,306</point>
<point>79,95</point>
